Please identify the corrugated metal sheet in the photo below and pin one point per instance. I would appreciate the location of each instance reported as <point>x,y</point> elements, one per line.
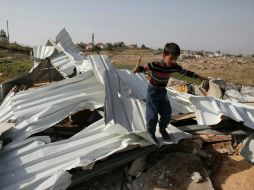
<point>6,112</point>
<point>66,58</point>
<point>42,52</point>
<point>65,40</point>
<point>247,150</point>
<point>63,64</point>
<point>210,110</point>
<point>40,108</point>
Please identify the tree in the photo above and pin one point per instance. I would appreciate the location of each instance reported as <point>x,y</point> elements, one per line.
<point>143,46</point>
<point>109,47</point>
<point>96,48</point>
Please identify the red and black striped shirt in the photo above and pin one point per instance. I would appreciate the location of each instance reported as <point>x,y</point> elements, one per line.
<point>160,72</point>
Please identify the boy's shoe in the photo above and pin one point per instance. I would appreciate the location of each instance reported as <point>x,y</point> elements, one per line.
<point>154,138</point>
<point>165,135</point>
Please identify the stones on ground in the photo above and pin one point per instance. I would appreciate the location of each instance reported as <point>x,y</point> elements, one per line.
<point>196,177</point>
<point>137,166</point>
<point>162,180</point>
<point>170,173</point>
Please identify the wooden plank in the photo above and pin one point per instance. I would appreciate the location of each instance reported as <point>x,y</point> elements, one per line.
<point>212,138</point>
<point>183,117</point>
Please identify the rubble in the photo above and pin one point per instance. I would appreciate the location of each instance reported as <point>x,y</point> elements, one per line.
<point>196,177</point>
<point>136,166</point>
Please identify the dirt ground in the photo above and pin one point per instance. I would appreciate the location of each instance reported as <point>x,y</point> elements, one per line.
<point>237,70</point>
<point>235,174</point>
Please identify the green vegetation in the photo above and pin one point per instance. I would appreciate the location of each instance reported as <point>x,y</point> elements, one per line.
<point>14,60</point>
<point>13,68</point>
<point>187,79</point>
<point>15,48</point>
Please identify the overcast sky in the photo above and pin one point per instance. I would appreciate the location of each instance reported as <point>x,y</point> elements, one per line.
<point>225,25</point>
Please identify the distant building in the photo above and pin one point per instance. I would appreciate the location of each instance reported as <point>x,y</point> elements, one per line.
<point>119,44</point>
<point>102,45</point>
<point>133,46</point>
<point>90,46</point>
<point>3,37</point>
<point>217,54</point>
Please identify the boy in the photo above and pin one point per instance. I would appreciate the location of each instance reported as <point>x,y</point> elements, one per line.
<point>157,101</point>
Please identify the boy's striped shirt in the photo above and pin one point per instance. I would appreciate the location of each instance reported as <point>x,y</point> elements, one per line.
<point>160,73</point>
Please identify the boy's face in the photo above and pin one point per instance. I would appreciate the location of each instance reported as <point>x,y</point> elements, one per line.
<point>169,59</point>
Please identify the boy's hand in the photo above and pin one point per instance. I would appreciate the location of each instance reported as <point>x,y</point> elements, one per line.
<point>136,70</point>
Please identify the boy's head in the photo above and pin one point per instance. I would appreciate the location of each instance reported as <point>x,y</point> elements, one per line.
<point>171,52</point>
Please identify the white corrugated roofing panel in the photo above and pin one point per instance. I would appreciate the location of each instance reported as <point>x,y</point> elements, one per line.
<point>42,52</point>
<point>40,108</point>
<point>64,38</point>
<point>209,111</point>
<point>67,58</point>
<point>6,112</point>
<point>247,150</point>
<point>63,64</point>
<point>180,102</point>
<point>119,106</point>
<point>68,46</point>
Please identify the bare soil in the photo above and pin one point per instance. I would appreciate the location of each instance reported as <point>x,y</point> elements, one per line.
<point>235,174</point>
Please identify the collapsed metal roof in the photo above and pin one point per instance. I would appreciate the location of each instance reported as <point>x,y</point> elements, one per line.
<point>39,164</point>
<point>37,109</point>
<point>35,163</point>
<point>209,111</point>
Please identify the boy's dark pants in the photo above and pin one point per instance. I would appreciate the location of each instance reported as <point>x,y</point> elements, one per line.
<point>157,102</point>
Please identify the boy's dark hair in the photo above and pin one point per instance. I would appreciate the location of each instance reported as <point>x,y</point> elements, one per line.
<point>171,49</point>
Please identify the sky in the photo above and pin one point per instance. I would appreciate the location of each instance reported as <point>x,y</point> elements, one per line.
<point>206,25</point>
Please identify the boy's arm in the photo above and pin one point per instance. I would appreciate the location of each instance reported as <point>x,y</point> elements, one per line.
<point>140,68</point>
<point>190,73</point>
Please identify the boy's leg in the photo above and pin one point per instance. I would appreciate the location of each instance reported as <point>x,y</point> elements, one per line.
<point>152,104</point>
<point>165,113</point>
